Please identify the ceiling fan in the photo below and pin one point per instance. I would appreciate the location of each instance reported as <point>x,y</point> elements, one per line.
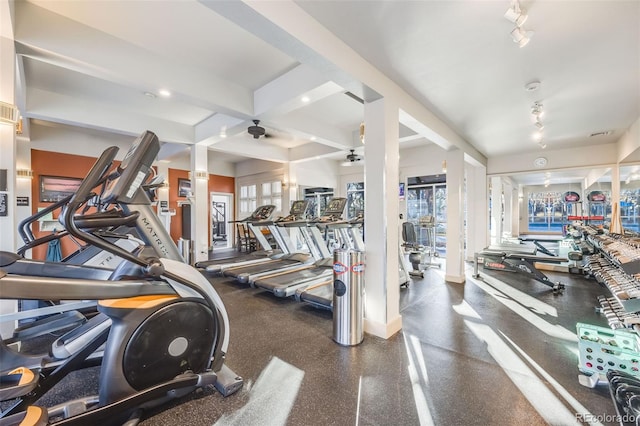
<point>353,159</point>
<point>256,130</point>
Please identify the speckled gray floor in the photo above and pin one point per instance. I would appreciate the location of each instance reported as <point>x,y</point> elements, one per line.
<point>482,353</point>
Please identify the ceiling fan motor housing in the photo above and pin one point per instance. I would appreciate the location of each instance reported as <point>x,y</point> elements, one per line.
<point>256,131</point>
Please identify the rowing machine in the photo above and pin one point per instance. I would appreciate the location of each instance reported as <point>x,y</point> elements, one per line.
<point>520,262</point>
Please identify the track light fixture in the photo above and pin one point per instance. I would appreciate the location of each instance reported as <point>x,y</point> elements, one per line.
<point>537,111</point>
<point>515,14</point>
<point>518,16</point>
<point>521,36</point>
<point>538,135</point>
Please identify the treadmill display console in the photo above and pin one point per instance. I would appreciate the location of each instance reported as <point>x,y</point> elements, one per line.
<point>297,212</point>
<point>336,207</point>
<point>299,207</point>
<point>263,212</point>
<point>334,210</point>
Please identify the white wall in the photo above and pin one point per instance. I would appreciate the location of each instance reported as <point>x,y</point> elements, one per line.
<point>595,155</point>
<point>629,143</point>
<point>76,140</point>
<point>321,172</point>
<point>219,167</point>
<point>252,167</point>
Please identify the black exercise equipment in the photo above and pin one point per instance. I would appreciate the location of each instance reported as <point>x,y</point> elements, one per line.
<point>169,331</point>
<point>512,258</point>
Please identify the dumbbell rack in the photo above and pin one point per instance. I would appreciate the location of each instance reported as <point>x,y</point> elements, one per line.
<point>617,266</point>
<point>602,352</point>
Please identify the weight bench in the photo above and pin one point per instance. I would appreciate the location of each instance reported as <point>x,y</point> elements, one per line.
<point>512,258</point>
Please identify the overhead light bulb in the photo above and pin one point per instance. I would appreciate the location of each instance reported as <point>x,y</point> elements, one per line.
<point>164,93</point>
<point>537,136</point>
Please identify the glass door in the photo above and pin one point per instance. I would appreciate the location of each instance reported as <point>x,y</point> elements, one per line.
<point>545,211</point>
<point>427,196</point>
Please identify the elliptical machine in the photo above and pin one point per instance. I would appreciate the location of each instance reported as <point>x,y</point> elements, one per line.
<point>169,332</point>
<point>420,256</point>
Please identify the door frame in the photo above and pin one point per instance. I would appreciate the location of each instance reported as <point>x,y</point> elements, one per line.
<point>229,215</point>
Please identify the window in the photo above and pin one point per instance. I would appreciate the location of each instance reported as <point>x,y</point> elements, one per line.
<point>247,200</point>
<point>546,211</point>
<point>318,199</point>
<point>355,198</point>
<point>272,194</point>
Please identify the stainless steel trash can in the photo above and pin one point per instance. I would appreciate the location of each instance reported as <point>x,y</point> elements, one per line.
<point>348,297</point>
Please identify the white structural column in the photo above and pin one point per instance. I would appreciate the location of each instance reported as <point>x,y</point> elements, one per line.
<point>290,192</point>
<point>162,195</point>
<point>496,210</point>
<point>515,212</point>
<point>615,186</point>
<point>200,219</point>
<point>8,223</point>
<point>508,207</point>
<point>477,212</point>
<point>382,287</point>
<point>455,216</point>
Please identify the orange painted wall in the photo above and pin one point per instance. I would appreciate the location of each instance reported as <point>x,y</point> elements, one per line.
<point>67,165</point>
<point>216,184</point>
<point>55,164</point>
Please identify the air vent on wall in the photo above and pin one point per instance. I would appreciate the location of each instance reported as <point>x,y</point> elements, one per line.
<point>8,113</point>
<point>605,133</point>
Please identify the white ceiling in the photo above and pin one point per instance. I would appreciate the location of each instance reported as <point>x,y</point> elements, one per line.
<point>94,64</point>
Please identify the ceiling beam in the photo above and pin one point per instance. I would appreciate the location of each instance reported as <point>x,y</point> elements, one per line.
<point>288,27</point>
<point>284,94</point>
<point>70,110</point>
<point>253,148</point>
<point>125,64</point>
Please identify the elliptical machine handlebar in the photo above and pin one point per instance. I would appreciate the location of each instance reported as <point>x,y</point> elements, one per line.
<point>95,177</point>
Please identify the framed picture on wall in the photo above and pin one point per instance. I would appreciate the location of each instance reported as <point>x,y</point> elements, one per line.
<point>54,188</point>
<point>184,187</point>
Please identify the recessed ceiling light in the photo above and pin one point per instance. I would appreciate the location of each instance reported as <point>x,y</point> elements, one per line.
<point>313,138</point>
<point>537,136</point>
<point>604,133</point>
<point>532,86</point>
<point>305,99</point>
<point>149,95</point>
<point>164,93</point>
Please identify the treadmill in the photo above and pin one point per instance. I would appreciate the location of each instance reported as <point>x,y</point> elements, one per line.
<point>286,284</point>
<point>281,263</point>
<point>319,294</point>
<point>260,215</point>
